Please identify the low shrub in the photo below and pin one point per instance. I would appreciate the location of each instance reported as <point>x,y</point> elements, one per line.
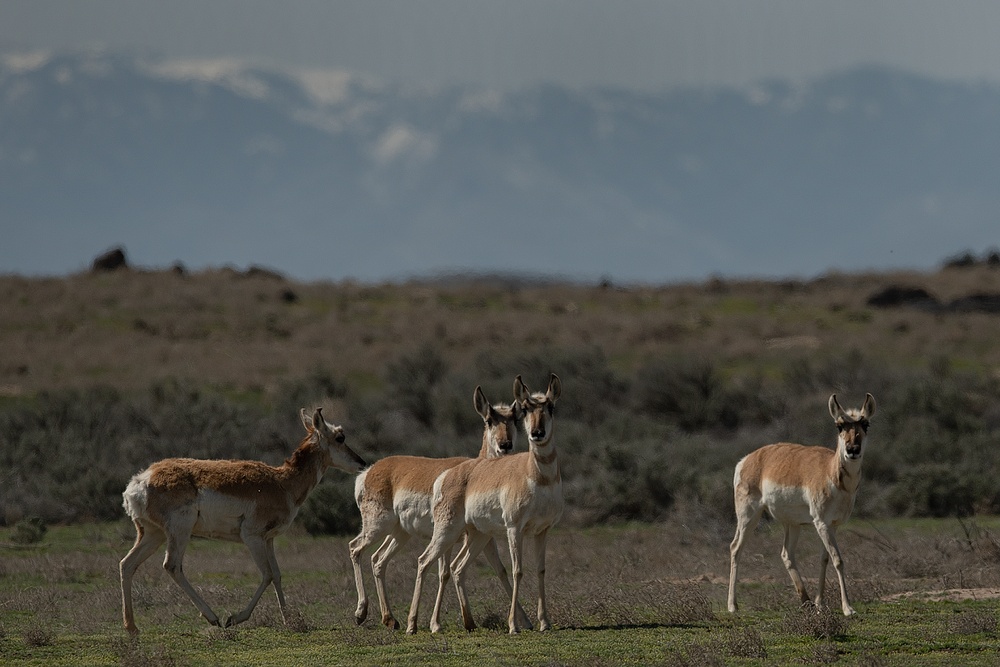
<point>29,531</point>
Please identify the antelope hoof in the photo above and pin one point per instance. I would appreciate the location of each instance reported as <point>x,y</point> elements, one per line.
<point>849,611</point>
<point>361,614</point>
<point>229,622</point>
<point>390,623</point>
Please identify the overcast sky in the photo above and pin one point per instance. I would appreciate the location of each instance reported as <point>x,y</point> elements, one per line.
<point>642,44</point>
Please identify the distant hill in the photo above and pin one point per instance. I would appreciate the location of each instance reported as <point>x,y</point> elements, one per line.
<point>332,176</point>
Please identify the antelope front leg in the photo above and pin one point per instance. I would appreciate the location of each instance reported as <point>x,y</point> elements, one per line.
<point>824,560</point>
<point>259,551</point>
<point>173,564</point>
<point>828,536</point>
<point>493,557</point>
<point>514,537</point>
<point>276,580</point>
<point>543,614</point>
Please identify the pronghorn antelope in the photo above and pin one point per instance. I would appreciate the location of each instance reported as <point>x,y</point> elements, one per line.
<point>246,501</point>
<point>485,498</point>
<point>394,496</point>
<point>800,485</point>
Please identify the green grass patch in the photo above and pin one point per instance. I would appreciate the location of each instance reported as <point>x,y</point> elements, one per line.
<point>618,595</point>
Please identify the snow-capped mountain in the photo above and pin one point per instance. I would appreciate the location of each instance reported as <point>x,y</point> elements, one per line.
<point>326,175</point>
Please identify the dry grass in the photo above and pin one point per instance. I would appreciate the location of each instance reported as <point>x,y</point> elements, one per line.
<point>663,581</point>
<point>130,329</point>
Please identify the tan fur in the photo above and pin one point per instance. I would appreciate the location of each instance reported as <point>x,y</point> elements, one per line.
<point>246,501</point>
<point>800,485</point>
<point>394,497</point>
<point>487,498</point>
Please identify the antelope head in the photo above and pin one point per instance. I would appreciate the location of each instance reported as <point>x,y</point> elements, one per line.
<point>852,425</point>
<point>330,438</point>
<point>538,409</point>
<point>500,424</point>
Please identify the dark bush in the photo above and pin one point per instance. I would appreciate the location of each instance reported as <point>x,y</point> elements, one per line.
<point>29,531</point>
<point>932,489</point>
<point>592,391</point>
<point>630,448</point>
<point>694,395</point>
<point>413,378</point>
<point>330,509</point>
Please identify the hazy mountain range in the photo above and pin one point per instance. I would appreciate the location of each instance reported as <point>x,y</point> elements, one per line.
<point>327,175</point>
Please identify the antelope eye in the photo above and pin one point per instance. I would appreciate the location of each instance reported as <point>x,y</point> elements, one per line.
<point>340,438</point>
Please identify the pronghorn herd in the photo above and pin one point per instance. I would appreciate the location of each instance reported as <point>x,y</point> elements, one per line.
<point>478,500</point>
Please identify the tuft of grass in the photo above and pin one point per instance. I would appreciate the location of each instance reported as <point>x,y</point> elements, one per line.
<point>744,642</point>
<point>216,634</point>
<point>37,635</point>
<point>824,653</point>
<point>694,655</point>
<point>132,653</point>
<point>30,530</point>
<point>822,623</point>
<point>973,622</point>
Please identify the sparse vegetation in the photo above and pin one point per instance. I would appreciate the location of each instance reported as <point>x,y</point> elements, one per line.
<point>633,594</point>
<point>28,531</point>
<point>664,390</point>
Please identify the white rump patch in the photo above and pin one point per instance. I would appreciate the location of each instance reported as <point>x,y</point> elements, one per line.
<point>135,496</point>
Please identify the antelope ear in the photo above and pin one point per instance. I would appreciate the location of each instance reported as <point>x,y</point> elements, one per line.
<point>306,419</point>
<point>555,388</point>
<point>318,422</point>
<point>836,411</point>
<point>482,405</point>
<point>868,409</point>
<point>521,393</point>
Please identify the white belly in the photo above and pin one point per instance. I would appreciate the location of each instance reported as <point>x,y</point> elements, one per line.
<point>414,511</point>
<point>787,504</point>
<point>220,517</point>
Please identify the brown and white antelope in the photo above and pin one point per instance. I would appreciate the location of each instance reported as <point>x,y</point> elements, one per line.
<point>488,498</point>
<point>239,501</point>
<point>394,496</point>
<point>800,485</point>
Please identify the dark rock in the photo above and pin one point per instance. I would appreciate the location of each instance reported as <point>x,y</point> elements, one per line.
<point>896,296</point>
<point>112,260</point>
